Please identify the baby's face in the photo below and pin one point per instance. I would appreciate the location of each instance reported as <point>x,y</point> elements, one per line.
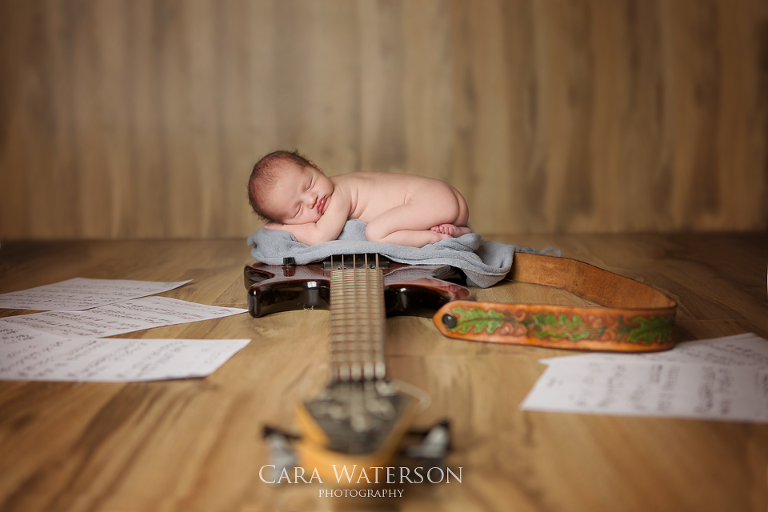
<point>300,195</point>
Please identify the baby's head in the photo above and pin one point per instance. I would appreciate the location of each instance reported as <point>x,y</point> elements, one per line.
<point>277,190</point>
<point>265,175</point>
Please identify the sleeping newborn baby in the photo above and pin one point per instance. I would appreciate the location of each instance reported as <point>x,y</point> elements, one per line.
<point>294,195</point>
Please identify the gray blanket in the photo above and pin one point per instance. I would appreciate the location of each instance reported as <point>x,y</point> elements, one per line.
<point>485,263</point>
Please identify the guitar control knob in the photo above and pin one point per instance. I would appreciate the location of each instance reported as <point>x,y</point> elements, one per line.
<point>449,320</point>
<point>289,267</point>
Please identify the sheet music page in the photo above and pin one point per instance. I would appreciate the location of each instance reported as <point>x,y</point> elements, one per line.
<point>81,293</point>
<point>741,349</point>
<point>682,390</point>
<point>15,337</point>
<point>120,318</point>
<point>113,360</point>
<point>718,379</point>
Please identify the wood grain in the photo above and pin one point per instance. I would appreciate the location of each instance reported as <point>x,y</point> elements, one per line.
<point>194,445</point>
<point>142,118</point>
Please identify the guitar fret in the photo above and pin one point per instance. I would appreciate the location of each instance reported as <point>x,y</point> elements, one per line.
<point>357,328</point>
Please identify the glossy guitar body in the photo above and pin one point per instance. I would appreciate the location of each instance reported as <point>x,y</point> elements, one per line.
<point>408,290</point>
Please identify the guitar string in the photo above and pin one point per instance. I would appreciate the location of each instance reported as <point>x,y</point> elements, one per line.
<point>357,345</point>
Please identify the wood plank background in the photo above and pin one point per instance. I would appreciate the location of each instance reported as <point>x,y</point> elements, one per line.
<point>142,118</point>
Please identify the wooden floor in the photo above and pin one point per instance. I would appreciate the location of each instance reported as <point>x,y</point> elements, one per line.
<point>194,445</point>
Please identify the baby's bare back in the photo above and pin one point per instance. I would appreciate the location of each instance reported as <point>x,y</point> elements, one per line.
<point>374,193</point>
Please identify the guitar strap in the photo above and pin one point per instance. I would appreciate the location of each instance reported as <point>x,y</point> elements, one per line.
<point>632,316</point>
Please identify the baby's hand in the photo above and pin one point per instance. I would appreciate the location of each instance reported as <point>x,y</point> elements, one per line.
<point>273,225</point>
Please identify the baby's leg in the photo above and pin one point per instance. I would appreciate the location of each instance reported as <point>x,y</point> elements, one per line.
<point>411,224</point>
<point>411,238</point>
<point>457,226</point>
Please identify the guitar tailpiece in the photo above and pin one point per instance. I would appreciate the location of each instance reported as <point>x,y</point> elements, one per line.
<point>268,431</point>
<point>281,455</point>
<point>435,445</point>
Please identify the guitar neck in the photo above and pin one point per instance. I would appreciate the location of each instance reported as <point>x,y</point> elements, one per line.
<point>360,417</point>
<point>357,324</point>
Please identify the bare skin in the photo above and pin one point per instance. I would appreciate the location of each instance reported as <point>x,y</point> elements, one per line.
<point>398,208</point>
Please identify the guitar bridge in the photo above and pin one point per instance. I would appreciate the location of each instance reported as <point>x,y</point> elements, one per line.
<point>346,261</point>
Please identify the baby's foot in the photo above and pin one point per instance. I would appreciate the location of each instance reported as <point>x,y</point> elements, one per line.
<point>461,230</point>
<point>450,229</point>
<point>446,229</point>
<point>441,236</point>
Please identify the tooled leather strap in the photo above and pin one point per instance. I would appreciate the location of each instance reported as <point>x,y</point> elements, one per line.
<point>636,317</point>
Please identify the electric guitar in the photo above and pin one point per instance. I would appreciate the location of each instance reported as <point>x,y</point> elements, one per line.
<point>359,419</point>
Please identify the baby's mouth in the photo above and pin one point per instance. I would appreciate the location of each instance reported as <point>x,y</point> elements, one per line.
<point>321,205</point>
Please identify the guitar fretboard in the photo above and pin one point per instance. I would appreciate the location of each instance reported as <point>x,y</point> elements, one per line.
<point>357,325</point>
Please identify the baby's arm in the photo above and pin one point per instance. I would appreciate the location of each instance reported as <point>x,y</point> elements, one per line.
<point>327,228</point>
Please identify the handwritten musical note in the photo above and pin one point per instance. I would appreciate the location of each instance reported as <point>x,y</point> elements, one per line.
<point>741,349</point>
<point>81,293</point>
<point>50,358</point>
<point>718,379</point>
<point>120,318</point>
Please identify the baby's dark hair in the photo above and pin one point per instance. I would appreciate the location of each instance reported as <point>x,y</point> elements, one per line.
<point>263,177</point>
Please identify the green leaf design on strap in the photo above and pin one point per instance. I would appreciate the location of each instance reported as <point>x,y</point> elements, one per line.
<point>546,325</point>
<point>477,320</point>
<point>647,330</point>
